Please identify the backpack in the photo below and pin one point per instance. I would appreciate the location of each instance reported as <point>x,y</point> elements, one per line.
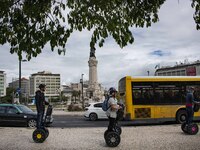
<point>105,106</point>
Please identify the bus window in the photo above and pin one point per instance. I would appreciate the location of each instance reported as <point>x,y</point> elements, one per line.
<point>168,93</point>
<point>196,86</point>
<point>158,93</point>
<point>142,93</point>
<point>197,93</point>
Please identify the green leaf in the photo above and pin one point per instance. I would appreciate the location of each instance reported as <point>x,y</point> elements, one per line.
<point>28,25</point>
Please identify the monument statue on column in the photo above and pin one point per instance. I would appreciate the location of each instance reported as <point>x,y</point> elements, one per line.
<point>92,53</point>
<point>94,89</point>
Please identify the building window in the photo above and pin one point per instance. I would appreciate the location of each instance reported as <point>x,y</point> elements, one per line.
<point>168,73</point>
<point>173,73</point>
<point>178,73</point>
<point>183,73</point>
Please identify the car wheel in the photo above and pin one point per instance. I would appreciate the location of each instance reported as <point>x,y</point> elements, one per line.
<point>93,117</point>
<point>32,123</point>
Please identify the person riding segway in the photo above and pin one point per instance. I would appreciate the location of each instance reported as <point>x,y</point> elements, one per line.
<point>112,134</point>
<point>41,133</point>
<point>191,107</point>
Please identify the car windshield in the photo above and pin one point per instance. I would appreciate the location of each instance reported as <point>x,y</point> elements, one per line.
<point>24,109</point>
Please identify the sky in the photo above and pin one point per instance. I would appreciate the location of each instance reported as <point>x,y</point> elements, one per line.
<point>174,39</point>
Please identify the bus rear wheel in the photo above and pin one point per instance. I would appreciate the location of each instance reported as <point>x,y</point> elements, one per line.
<point>181,116</point>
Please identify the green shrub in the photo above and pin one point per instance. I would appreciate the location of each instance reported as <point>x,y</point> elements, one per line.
<point>74,107</point>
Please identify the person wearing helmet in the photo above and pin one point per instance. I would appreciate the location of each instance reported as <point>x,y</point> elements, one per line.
<point>40,104</point>
<point>113,108</point>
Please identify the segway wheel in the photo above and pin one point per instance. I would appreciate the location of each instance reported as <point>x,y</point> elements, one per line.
<point>105,134</point>
<point>193,129</point>
<point>46,132</point>
<point>184,127</point>
<point>39,136</point>
<point>112,139</point>
<point>118,130</point>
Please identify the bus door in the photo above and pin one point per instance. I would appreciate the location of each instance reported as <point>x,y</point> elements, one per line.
<point>142,100</point>
<point>167,96</point>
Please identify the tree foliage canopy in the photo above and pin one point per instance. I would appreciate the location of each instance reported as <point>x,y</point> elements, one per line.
<point>28,25</point>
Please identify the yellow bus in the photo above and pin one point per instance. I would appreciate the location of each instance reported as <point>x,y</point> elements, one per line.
<point>156,98</point>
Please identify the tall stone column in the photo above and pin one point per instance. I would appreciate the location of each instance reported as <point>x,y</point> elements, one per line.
<point>93,80</point>
<point>94,89</point>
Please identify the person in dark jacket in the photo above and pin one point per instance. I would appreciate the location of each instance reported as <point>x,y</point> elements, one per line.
<point>40,105</point>
<point>189,105</point>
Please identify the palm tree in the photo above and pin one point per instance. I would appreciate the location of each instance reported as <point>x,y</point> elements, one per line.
<point>75,94</point>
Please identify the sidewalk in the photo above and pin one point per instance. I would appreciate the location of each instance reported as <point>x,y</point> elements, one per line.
<point>168,137</point>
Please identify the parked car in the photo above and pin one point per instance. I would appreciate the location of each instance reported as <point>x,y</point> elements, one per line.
<point>94,111</point>
<point>19,115</point>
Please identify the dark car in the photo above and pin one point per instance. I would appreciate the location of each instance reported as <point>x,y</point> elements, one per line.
<point>19,115</point>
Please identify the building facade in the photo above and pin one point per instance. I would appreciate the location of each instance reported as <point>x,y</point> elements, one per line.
<point>52,82</point>
<point>182,69</point>
<point>78,88</point>
<point>2,83</point>
<point>67,92</point>
<point>25,86</point>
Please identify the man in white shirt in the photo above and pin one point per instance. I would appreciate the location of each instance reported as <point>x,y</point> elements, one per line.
<point>113,108</point>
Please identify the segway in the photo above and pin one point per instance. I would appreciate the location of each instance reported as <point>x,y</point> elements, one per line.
<point>192,128</point>
<point>184,127</point>
<point>113,138</point>
<point>40,135</point>
<point>117,129</point>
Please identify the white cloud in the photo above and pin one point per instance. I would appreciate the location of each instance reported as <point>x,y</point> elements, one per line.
<point>175,34</point>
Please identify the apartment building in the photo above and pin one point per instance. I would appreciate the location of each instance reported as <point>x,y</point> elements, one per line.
<point>52,82</point>
<point>25,86</point>
<point>2,83</point>
<point>182,69</point>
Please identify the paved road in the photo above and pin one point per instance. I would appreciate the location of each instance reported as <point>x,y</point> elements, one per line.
<point>76,121</point>
<point>65,121</point>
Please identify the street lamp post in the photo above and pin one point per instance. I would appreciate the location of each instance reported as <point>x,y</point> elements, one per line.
<point>20,80</point>
<point>81,81</point>
<point>19,90</point>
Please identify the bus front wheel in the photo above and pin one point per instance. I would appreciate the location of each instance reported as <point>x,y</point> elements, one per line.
<point>181,116</point>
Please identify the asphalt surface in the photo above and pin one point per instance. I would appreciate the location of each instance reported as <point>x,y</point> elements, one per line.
<point>65,121</point>
<point>78,120</point>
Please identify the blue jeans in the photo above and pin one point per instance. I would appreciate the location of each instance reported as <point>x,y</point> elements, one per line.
<point>40,123</point>
<point>190,114</point>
